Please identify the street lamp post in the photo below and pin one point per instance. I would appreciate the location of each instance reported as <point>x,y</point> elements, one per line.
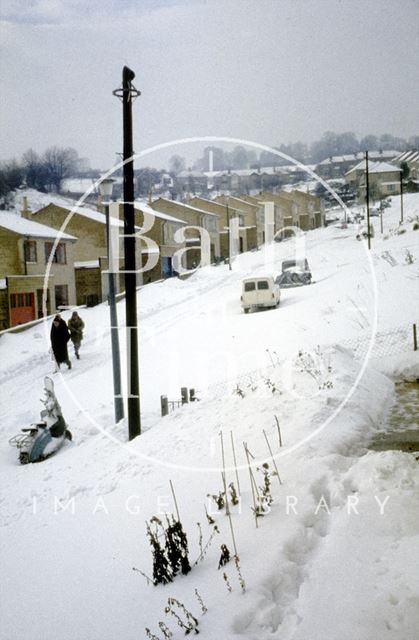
<point>229,233</point>
<point>105,190</point>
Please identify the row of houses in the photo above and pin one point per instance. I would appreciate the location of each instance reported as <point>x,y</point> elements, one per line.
<point>239,181</point>
<point>384,179</point>
<point>56,256</point>
<point>385,170</point>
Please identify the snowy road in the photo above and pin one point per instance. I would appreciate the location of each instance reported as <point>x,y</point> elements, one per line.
<point>75,523</point>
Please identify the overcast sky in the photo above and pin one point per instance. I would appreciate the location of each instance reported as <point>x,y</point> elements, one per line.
<point>271,71</point>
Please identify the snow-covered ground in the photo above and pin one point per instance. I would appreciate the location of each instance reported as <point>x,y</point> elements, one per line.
<point>335,558</point>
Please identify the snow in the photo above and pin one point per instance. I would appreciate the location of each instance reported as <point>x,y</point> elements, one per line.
<point>374,167</point>
<point>87,264</point>
<point>336,557</point>
<point>185,206</point>
<point>12,222</point>
<point>145,208</point>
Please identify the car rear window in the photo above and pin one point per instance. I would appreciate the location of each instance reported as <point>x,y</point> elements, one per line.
<point>249,286</point>
<point>263,284</point>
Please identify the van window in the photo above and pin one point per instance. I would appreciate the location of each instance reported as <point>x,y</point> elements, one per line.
<point>249,286</point>
<point>263,284</point>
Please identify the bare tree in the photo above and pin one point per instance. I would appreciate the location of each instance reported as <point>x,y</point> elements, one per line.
<point>59,163</point>
<point>36,174</point>
<point>11,177</point>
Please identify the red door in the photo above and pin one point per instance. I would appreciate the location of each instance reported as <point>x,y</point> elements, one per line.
<point>22,308</point>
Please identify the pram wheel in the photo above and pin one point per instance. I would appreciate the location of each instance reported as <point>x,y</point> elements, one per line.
<point>24,457</point>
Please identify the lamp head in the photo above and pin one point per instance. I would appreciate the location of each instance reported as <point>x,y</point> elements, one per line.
<point>105,187</point>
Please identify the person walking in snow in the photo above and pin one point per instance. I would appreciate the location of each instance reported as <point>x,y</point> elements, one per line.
<point>60,336</point>
<point>76,326</point>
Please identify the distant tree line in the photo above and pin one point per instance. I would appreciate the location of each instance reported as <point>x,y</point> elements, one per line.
<point>330,144</point>
<point>44,172</point>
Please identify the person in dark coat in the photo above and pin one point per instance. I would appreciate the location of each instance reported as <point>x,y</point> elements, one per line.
<point>60,336</point>
<point>76,326</point>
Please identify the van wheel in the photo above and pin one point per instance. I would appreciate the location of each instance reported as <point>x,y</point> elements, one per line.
<point>246,310</point>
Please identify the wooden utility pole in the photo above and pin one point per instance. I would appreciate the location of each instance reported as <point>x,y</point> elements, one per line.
<point>128,93</point>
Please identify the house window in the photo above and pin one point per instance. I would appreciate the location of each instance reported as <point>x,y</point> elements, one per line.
<point>59,256</point>
<point>210,223</point>
<point>29,249</point>
<point>21,300</point>
<point>61,296</point>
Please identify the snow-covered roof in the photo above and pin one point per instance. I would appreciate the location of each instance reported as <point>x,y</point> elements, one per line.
<point>37,200</point>
<point>221,206</point>
<point>145,208</point>
<point>14,222</point>
<point>374,167</point>
<point>389,154</point>
<point>246,172</point>
<point>408,156</point>
<point>383,167</point>
<point>191,174</point>
<point>245,202</point>
<point>91,214</point>
<point>186,206</point>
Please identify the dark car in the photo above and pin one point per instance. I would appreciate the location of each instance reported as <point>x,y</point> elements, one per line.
<point>294,273</point>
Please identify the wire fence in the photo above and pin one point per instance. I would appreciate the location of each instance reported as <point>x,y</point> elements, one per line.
<point>386,343</point>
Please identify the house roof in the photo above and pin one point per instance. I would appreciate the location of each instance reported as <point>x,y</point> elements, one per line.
<point>145,208</point>
<point>23,227</point>
<point>245,202</point>
<point>352,157</point>
<point>219,205</point>
<point>374,167</point>
<point>383,167</point>
<point>191,174</point>
<point>182,204</point>
<point>408,156</point>
<point>91,214</point>
<point>246,172</point>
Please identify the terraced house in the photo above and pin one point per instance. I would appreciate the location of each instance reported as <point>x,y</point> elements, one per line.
<point>194,217</point>
<point>225,214</point>
<point>252,220</point>
<point>25,251</point>
<point>90,251</point>
<point>159,241</point>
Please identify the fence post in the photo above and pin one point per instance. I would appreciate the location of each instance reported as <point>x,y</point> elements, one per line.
<point>184,394</point>
<point>164,405</point>
<point>415,338</point>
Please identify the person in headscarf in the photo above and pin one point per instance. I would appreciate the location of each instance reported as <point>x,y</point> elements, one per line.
<point>60,336</point>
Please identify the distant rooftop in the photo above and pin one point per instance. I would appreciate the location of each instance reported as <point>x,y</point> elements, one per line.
<point>353,157</point>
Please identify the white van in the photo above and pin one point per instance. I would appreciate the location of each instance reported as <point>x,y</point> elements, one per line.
<point>260,291</point>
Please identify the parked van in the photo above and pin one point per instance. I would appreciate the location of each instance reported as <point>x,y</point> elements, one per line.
<point>260,291</point>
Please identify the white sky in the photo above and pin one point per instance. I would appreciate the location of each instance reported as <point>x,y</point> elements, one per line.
<point>271,71</point>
